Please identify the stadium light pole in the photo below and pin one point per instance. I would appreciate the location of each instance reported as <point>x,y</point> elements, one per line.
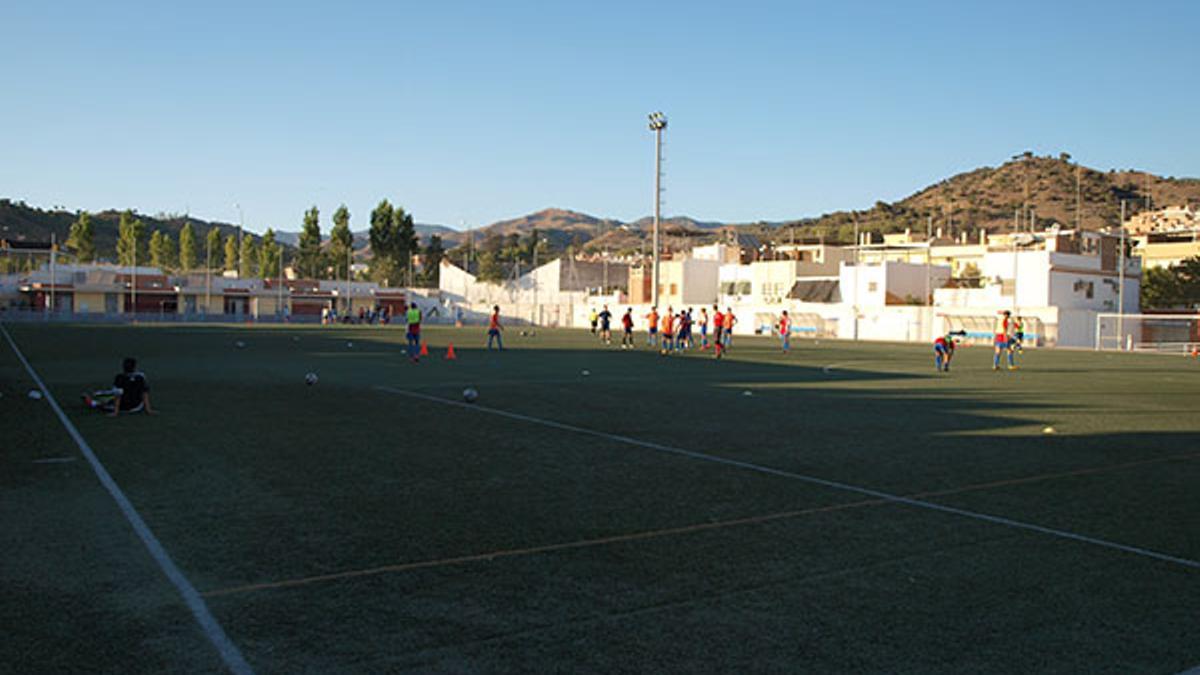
<point>658,123</point>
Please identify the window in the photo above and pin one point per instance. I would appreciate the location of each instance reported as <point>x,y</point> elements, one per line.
<point>110,303</point>
<point>872,287</point>
<point>674,289</point>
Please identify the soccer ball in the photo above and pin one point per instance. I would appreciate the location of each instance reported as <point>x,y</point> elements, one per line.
<point>239,344</point>
<point>470,395</point>
<point>310,379</point>
<point>35,394</point>
<point>350,345</point>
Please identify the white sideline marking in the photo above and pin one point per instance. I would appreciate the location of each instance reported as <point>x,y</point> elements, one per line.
<point>54,460</point>
<point>230,654</point>
<point>845,487</point>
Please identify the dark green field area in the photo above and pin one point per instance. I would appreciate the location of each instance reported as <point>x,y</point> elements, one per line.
<point>655,514</point>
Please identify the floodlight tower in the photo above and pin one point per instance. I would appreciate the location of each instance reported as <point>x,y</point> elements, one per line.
<point>658,124</point>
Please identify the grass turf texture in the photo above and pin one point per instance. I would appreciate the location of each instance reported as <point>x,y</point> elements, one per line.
<point>458,518</point>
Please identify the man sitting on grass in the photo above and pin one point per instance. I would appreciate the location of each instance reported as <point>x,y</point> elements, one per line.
<point>129,394</point>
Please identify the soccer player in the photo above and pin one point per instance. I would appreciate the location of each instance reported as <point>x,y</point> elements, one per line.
<point>606,326</point>
<point>129,394</point>
<point>652,320</point>
<point>593,317</point>
<point>1003,340</point>
<point>703,329</point>
<point>494,329</point>
<point>683,333</point>
<point>785,331</point>
<point>413,315</point>
<point>943,350</point>
<point>718,331</point>
<point>730,319</point>
<point>667,326</point>
<point>1018,335</point>
<point>627,325</point>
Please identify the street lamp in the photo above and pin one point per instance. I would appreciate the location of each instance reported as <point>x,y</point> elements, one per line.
<point>658,123</point>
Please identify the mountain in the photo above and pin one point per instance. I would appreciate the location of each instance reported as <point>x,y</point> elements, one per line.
<point>984,198</point>
<point>21,222</point>
<point>987,199</point>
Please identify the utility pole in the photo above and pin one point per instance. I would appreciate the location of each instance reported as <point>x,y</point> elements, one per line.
<point>929,260</point>
<point>857,273</point>
<point>53,278</point>
<point>208,273</point>
<point>279,302</point>
<point>241,224</point>
<point>349,261</point>
<point>1078,197</point>
<point>658,122</point>
<point>1121,283</point>
<point>133,286</point>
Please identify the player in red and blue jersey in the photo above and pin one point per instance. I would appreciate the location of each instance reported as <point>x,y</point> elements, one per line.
<point>943,350</point>
<point>1003,340</point>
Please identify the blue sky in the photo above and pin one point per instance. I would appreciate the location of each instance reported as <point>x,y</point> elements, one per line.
<point>474,112</point>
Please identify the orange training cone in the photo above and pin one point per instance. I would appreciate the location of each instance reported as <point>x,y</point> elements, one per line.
<point>450,352</point>
<point>424,349</point>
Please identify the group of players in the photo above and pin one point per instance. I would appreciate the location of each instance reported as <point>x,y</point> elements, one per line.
<point>672,331</point>
<point>1009,336</point>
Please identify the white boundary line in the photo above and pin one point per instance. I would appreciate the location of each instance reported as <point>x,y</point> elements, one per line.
<point>845,487</point>
<point>229,652</point>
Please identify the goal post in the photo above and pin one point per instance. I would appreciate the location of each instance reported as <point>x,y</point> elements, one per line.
<point>1166,333</point>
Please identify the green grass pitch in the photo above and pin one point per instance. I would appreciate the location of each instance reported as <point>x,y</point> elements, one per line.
<point>372,524</point>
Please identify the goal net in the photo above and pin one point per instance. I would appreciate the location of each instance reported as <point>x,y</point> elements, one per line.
<point>1177,334</point>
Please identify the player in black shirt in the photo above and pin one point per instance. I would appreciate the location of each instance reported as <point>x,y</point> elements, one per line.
<point>606,326</point>
<point>130,393</point>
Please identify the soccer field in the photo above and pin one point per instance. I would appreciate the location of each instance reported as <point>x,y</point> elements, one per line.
<point>842,508</point>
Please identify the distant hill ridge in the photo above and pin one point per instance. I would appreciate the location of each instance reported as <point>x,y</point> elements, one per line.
<point>985,198</point>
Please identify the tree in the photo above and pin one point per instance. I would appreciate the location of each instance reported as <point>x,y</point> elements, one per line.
<point>308,261</point>
<point>162,250</point>
<point>82,238</point>
<point>380,237</point>
<point>405,244</point>
<point>490,269</point>
<point>1160,288</point>
<point>432,262</point>
<point>231,252</point>
<point>1173,287</point>
<point>131,240</point>
<point>268,255</point>
<point>247,258</point>
<point>212,248</point>
<point>187,248</point>
<point>341,242</point>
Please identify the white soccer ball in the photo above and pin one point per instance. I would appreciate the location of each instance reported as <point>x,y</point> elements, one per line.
<point>239,344</point>
<point>747,393</point>
<point>310,379</point>
<point>585,373</point>
<point>35,394</point>
<point>470,395</point>
<point>350,345</point>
